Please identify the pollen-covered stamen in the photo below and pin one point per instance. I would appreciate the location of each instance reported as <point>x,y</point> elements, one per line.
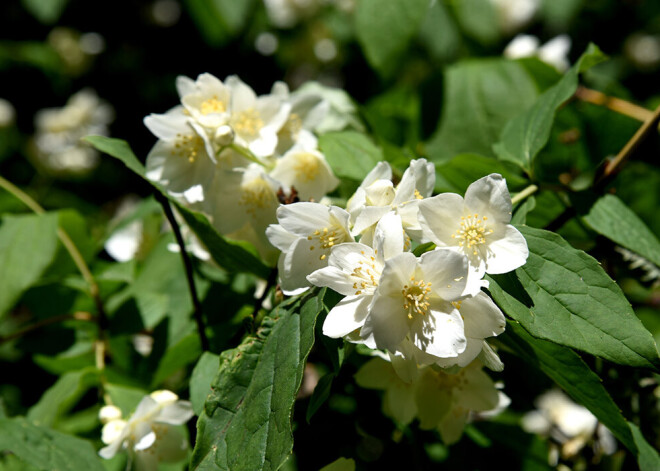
<point>328,238</point>
<point>188,146</point>
<point>473,232</point>
<point>212,105</point>
<point>247,123</point>
<point>292,126</point>
<point>367,276</point>
<point>307,166</point>
<point>416,297</point>
<point>257,194</point>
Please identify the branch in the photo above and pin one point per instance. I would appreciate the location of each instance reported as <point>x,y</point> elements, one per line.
<point>615,104</point>
<point>197,306</point>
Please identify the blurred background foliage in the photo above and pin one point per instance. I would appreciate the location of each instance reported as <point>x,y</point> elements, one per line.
<point>427,91</point>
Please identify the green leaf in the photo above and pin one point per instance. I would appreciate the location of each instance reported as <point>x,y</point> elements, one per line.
<point>320,395</point>
<point>384,29</point>
<point>219,20</point>
<point>439,34</point>
<point>612,218</point>
<point>126,398</point>
<point>246,423</point>
<point>647,456</point>
<point>200,381</point>
<point>340,464</point>
<point>179,355</point>
<point>62,396</point>
<point>27,246</point>
<point>46,11</point>
<point>576,304</point>
<point>47,449</point>
<point>229,255</point>
<point>525,135</point>
<point>571,373</point>
<point>480,96</point>
<point>350,154</point>
<point>479,19</point>
<point>464,169</point>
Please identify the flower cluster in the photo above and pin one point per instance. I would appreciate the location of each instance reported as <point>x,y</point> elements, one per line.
<point>149,435</point>
<point>225,147</point>
<point>427,310</point>
<point>440,400</point>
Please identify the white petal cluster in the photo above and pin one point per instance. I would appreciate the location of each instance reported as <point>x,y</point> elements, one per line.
<point>148,434</point>
<point>428,309</point>
<point>59,131</point>
<point>229,153</point>
<point>569,424</point>
<point>440,400</point>
<point>554,52</point>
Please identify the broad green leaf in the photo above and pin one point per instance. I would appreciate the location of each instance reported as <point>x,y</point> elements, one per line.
<point>178,356</point>
<point>62,396</point>
<point>570,372</point>
<point>439,34</point>
<point>46,449</point>
<point>74,224</point>
<point>27,246</point>
<point>201,378</point>
<point>219,20</point>
<point>320,395</point>
<point>525,135</point>
<point>574,303</point>
<point>647,456</point>
<point>229,255</point>
<point>46,11</point>
<point>480,96</point>
<point>612,218</point>
<point>479,19</point>
<point>246,423</point>
<point>384,29</point>
<point>126,398</point>
<point>350,154</point>
<point>522,209</point>
<point>464,169</point>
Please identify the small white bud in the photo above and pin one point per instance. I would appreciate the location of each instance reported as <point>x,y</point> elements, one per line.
<point>109,413</point>
<point>224,136</point>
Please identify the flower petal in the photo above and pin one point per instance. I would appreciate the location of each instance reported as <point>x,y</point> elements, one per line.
<point>482,317</point>
<point>440,218</point>
<point>439,332</point>
<point>347,316</point>
<point>489,196</point>
<point>508,252</point>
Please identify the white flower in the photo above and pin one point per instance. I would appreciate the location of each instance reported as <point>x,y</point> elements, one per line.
<point>305,234</point>
<point>7,113</point>
<point>440,400</point>
<point>515,14</point>
<point>554,52</point>
<point>307,171</point>
<point>377,196</point>
<point>414,300</point>
<point>148,434</point>
<point>183,158</point>
<point>477,226</point>
<point>570,424</point>
<point>342,112</point>
<point>59,132</point>
<point>354,270</point>
<point>481,319</point>
<point>445,401</point>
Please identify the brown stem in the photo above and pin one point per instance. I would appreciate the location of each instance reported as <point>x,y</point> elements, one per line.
<point>197,306</point>
<point>615,104</point>
<point>79,316</point>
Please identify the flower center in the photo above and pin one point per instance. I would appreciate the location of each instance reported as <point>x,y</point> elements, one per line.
<point>472,233</point>
<point>212,105</point>
<point>416,297</point>
<point>256,194</point>
<point>327,238</point>
<point>188,146</point>
<point>248,123</point>
<point>366,275</point>
<point>306,167</point>
<point>293,125</point>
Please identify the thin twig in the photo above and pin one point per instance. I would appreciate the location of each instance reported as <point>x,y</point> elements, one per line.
<point>615,104</point>
<point>79,316</point>
<point>187,263</point>
<point>649,126</point>
<point>530,190</point>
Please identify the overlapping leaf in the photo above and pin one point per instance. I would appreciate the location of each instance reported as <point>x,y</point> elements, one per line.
<point>574,303</point>
<point>246,423</point>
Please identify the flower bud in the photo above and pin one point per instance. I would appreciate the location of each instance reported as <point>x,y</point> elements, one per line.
<point>224,135</point>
